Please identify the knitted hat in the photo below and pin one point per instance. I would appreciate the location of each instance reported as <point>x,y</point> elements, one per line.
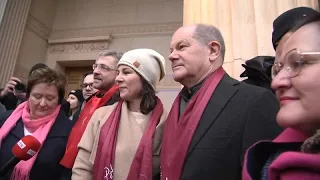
<point>78,94</point>
<point>147,62</point>
<point>37,66</point>
<point>287,20</point>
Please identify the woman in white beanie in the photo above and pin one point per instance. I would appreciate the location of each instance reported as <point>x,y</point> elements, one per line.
<point>122,141</point>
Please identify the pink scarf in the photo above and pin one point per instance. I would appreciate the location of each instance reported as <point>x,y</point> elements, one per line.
<point>141,166</point>
<point>178,132</point>
<point>39,129</point>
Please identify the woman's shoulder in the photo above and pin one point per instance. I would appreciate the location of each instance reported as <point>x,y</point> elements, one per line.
<point>105,109</point>
<point>103,112</point>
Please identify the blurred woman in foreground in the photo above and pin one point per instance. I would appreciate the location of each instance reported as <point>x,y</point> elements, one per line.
<point>295,153</point>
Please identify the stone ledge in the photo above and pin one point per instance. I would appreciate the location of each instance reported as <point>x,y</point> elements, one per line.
<point>37,27</point>
<point>117,31</point>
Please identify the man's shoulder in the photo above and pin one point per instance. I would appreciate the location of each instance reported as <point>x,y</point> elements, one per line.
<point>245,88</point>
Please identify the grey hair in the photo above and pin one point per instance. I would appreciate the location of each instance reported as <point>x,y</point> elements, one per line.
<point>115,54</point>
<point>207,33</point>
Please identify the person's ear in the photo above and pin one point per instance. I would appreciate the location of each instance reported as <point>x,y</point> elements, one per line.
<point>215,50</point>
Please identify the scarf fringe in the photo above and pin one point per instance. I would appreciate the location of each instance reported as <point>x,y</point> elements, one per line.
<point>20,173</point>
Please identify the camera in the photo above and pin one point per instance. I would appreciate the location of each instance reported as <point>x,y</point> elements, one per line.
<point>19,87</point>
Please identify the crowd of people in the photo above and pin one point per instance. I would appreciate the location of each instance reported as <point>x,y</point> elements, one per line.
<point>115,127</point>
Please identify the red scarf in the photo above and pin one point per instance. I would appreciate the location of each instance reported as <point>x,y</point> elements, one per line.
<point>141,166</point>
<point>178,132</point>
<point>81,124</point>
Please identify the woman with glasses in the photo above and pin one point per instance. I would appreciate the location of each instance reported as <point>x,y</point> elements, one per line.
<point>295,153</point>
<point>122,141</point>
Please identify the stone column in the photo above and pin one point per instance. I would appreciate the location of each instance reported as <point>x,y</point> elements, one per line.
<point>14,14</point>
<point>3,4</point>
<point>246,25</point>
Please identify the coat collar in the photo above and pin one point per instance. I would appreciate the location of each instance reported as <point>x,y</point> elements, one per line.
<point>290,135</point>
<point>223,93</point>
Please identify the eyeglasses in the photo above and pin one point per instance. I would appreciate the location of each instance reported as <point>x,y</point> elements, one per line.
<point>294,61</point>
<point>103,67</point>
<point>86,85</point>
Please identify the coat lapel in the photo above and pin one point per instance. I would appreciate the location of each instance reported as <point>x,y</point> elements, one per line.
<point>18,130</point>
<point>57,130</point>
<point>219,99</point>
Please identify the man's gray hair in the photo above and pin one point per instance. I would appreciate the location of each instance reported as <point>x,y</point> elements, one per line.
<point>207,33</point>
<point>115,54</point>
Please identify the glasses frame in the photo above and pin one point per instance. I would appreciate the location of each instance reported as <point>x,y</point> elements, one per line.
<point>103,67</point>
<point>288,68</point>
<point>90,85</point>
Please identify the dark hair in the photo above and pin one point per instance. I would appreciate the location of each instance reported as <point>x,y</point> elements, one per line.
<point>312,19</point>
<point>48,76</point>
<point>149,98</point>
<point>37,66</point>
<point>207,33</point>
<point>87,74</point>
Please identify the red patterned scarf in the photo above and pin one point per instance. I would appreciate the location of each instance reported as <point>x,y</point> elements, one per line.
<point>81,124</point>
<point>178,132</point>
<point>141,166</point>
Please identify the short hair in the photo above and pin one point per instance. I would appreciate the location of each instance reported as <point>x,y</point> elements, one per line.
<point>206,33</point>
<point>48,76</point>
<point>115,54</point>
<point>87,74</point>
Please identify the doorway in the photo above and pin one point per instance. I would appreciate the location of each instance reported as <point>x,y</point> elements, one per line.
<point>75,77</point>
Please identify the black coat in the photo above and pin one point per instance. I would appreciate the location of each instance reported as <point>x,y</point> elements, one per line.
<point>10,101</point>
<point>46,166</point>
<point>236,116</point>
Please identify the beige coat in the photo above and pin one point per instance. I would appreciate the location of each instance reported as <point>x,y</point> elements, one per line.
<point>129,136</point>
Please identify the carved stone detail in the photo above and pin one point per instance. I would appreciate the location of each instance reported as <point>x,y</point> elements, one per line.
<point>118,31</point>
<point>37,27</point>
<point>78,47</point>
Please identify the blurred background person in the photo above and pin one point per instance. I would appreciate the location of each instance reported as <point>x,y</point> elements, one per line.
<point>124,139</point>
<point>87,86</point>
<point>295,153</point>
<point>39,116</point>
<point>15,91</point>
<point>75,98</point>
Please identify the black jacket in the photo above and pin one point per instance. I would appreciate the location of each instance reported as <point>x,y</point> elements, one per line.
<point>46,166</point>
<point>10,101</point>
<point>236,116</point>
<point>258,71</point>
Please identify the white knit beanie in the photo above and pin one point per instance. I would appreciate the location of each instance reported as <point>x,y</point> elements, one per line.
<point>147,62</point>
